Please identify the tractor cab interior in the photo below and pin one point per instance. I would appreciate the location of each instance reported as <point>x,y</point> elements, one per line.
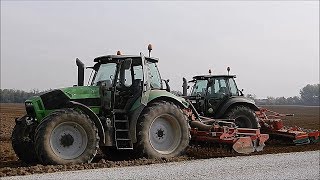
<point>128,84</point>
<point>123,78</point>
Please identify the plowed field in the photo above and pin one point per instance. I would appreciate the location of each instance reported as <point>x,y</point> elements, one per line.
<point>306,117</point>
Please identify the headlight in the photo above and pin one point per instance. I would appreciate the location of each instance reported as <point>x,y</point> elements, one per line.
<point>30,109</point>
<point>28,103</point>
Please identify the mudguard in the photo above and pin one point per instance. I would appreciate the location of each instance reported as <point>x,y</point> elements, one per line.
<point>235,101</point>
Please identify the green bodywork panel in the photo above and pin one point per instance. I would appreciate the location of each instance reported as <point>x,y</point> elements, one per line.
<point>85,92</point>
<point>74,93</point>
<point>36,102</point>
<point>154,94</point>
<point>82,92</point>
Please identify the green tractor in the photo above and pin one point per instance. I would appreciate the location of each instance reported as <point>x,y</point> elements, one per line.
<point>217,96</point>
<point>125,108</point>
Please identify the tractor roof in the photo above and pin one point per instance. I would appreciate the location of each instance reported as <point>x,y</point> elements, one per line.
<point>205,77</point>
<point>117,58</point>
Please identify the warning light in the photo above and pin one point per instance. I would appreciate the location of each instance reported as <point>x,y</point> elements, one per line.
<point>118,52</point>
<point>149,49</point>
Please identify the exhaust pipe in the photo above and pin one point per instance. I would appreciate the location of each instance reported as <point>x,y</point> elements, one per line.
<point>80,72</point>
<point>184,87</point>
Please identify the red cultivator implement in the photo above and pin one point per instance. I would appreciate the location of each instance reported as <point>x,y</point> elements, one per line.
<point>272,124</point>
<point>243,140</point>
<point>224,131</point>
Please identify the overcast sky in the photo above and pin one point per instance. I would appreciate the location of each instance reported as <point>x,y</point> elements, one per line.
<point>272,47</point>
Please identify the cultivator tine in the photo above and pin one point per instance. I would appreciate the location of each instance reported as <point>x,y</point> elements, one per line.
<point>243,145</point>
<point>258,145</point>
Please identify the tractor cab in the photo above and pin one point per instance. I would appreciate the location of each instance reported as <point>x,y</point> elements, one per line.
<point>210,91</point>
<point>122,79</point>
<point>217,96</point>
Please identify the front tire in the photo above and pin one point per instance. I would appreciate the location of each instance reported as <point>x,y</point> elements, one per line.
<point>163,131</point>
<point>244,117</point>
<point>22,141</point>
<point>66,136</point>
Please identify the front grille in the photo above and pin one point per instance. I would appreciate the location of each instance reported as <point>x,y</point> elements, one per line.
<point>30,110</point>
<point>54,99</point>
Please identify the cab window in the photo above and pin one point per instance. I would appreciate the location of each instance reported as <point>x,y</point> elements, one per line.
<point>128,78</point>
<point>199,88</point>
<point>233,87</point>
<point>155,80</point>
<point>106,72</point>
<point>137,72</point>
<point>218,88</point>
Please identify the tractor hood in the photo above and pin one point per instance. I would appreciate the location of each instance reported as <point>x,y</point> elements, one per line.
<point>55,99</point>
<point>81,92</point>
<point>40,106</point>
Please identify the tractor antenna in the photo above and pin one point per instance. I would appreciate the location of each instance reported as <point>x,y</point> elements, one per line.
<point>149,49</point>
<point>209,71</point>
<point>228,69</point>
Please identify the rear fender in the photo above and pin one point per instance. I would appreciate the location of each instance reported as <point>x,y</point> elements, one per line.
<point>235,101</point>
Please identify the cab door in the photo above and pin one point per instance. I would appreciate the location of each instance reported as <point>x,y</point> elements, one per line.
<point>146,88</point>
<point>217,93</point>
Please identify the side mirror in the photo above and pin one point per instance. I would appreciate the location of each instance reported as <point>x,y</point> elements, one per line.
<point>127,63</point>
<point>167,85</point>
<point>241,92</point>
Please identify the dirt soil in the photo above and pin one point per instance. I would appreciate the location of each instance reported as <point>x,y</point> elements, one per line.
<point>10,165</point>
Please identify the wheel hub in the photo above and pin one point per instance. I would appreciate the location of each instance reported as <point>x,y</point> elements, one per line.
<point>165,134</point>
<point>66,140</point>
<point>160,133</point>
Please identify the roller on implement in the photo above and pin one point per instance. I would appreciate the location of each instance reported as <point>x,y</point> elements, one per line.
<point>225,131</point>
<point>271,124</point>
<point>242,140</point>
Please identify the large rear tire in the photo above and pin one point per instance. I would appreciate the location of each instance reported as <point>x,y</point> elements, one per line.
<point>244,117</point>
<point>66,136</point>
<point>22,141</point>
<point>163,131</point>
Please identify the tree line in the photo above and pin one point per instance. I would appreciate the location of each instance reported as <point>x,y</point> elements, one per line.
<point>16,96</point>
<point>309,95</point>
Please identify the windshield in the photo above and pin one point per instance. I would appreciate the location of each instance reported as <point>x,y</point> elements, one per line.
<point>155,76</point>
<point>199,88</point>
<point>106,72</point>
<point>217,88</point>
<point>233,87</point>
